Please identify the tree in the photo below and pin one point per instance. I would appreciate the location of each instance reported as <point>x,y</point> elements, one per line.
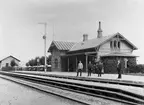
<point>31,62</point>
<point>49,60</point>
<point>13,63</point>
<point>37,61</point>
<point>42,60</point>
<point>27,64</point>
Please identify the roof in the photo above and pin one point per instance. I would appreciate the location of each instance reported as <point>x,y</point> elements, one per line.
<point>93,43</point>
<point>61,45</point>
<point>119,54</point>
<point>90,43</point>
<point>8,57</point>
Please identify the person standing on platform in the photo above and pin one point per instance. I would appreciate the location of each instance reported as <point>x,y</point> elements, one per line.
<point>128,66</point>
<point>90,66</point>
<point>100,67</point>
<point>95,67</point>
<point>119,68</point>
<point>80,68</point>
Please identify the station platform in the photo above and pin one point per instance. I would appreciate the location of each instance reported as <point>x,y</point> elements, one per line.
<point>111,77</point>
<point>134,78</point>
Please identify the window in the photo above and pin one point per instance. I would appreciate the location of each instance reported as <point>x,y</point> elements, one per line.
<point>111,44</point>
<point>7,64</point>
<point>56,63</point>
<point>119,44</point>
<point>115,44</point>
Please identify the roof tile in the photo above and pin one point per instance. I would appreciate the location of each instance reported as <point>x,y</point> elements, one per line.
<point>63,45</point>
<point>90,43</point>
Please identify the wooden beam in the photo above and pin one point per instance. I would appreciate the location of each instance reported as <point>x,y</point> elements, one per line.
<point>86,63</point>
<point>68,64</point>
<point>88,53</point>
<point>92,55</point>
<point>76,62</point>
<point>74,54</point>
<point>84,53</point>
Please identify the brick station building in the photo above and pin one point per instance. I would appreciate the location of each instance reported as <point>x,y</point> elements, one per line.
<point>65,55</point>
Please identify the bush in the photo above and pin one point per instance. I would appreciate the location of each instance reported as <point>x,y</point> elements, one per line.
<point>13,63</point>
<point>8,68</point>
<point>36,68</point>
<point>137,68</point>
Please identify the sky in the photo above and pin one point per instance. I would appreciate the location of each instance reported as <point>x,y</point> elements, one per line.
<point>68,20</point>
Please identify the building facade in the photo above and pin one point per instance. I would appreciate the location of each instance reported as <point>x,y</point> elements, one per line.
<point>66,55</point>
<point>6,62</point>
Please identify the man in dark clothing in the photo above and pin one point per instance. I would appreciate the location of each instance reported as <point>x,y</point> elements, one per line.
<point>128,66</point>
<point>90,66</point>
<point>119,68</point>
<point>100,67</point>
<point>95,67</point>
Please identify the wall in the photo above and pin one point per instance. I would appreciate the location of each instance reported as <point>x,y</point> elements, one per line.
<point>105,48</point>
<point>125,48</point>
<point>110,64</point>
<point>8,60</point>
<point>56,54</point>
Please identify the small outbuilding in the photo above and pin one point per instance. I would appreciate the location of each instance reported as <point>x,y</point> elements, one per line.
<point>6,62</point>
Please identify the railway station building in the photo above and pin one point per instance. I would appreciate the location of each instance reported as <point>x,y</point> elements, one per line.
<point>66,55</point>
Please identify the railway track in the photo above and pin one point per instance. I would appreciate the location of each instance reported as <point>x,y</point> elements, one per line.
<point>110,81</point>
<point>92,90</point>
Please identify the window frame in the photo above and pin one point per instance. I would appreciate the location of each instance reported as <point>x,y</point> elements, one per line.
<point>7,65</point>
<point>115,44</point>
<point>111,44</point>
<point>56,62</point>
<point>119,45</point>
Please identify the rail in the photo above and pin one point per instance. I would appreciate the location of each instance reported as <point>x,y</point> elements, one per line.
<point>92,90</point>
<point>110,81</point>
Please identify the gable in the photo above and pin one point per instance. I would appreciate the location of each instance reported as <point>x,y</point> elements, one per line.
<point>10,57</point>
<point>125,42</point>
<point>124,47</point>
<point>52,47</point>
<point>118,36</point>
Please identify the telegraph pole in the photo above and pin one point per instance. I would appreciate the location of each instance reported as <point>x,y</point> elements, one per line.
<point>53,32</point>
<point>44,37</point>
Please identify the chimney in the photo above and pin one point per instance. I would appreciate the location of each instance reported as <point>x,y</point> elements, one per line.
<point>85,37</point>
<point>99,31</point>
